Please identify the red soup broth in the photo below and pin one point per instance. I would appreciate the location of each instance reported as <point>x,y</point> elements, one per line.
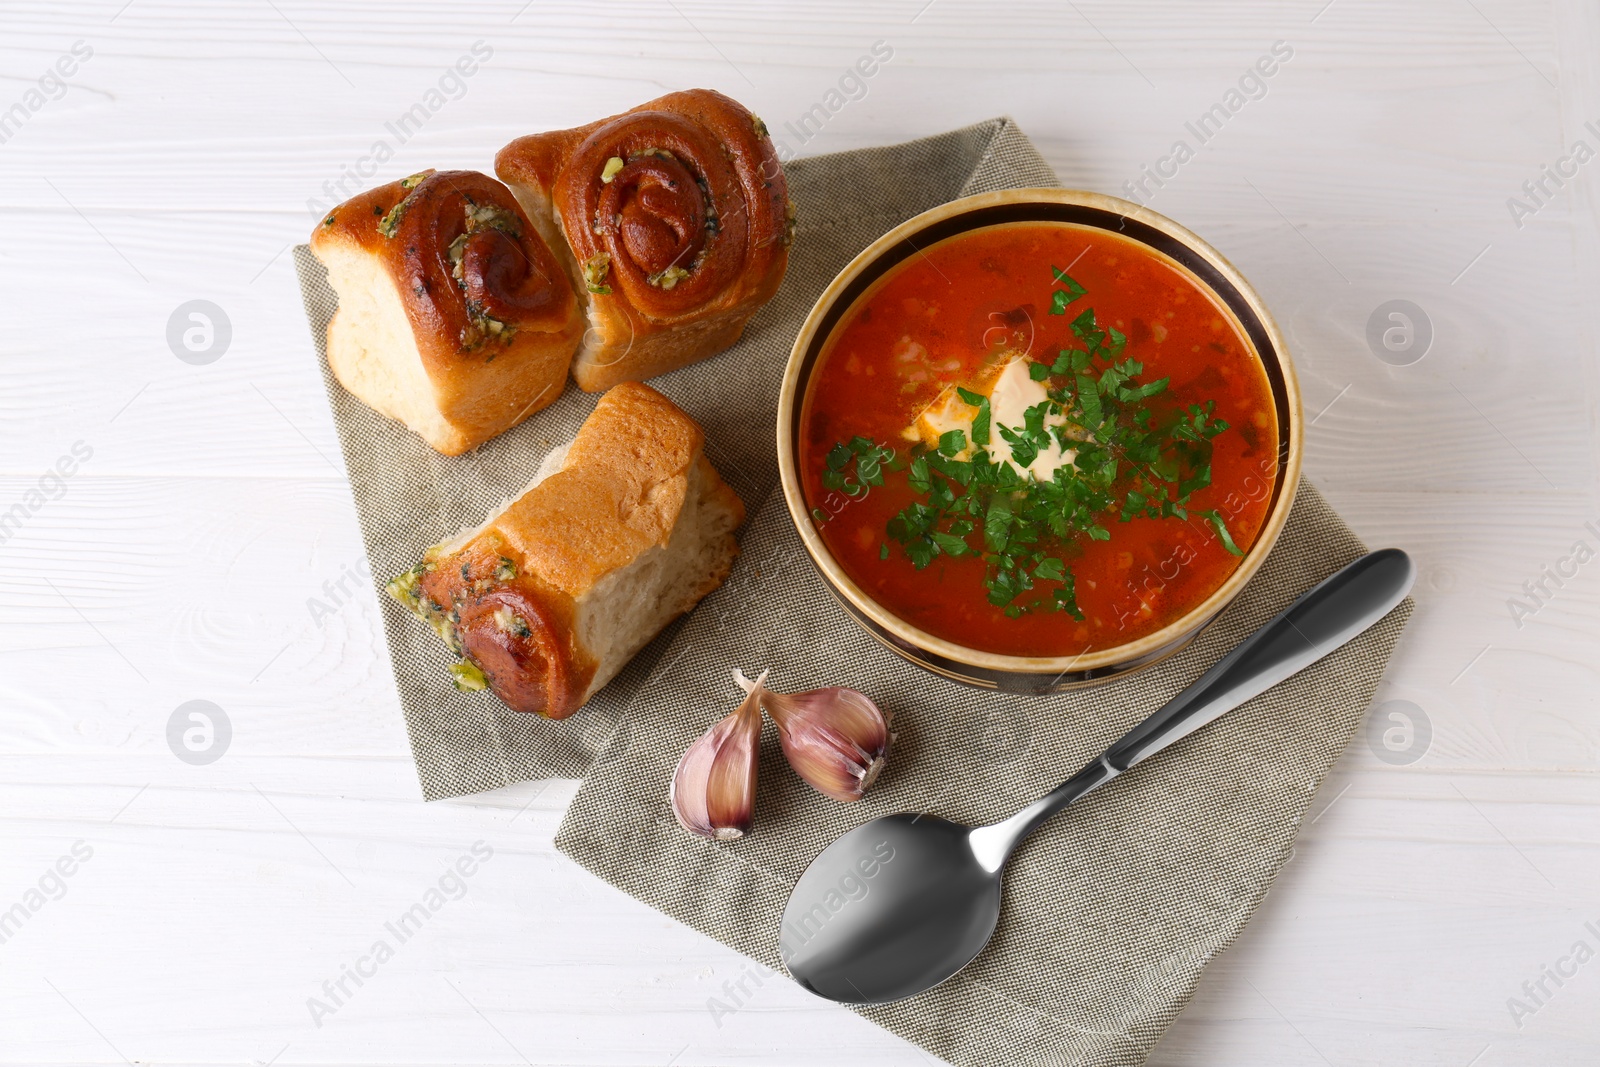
<point>975,299</point>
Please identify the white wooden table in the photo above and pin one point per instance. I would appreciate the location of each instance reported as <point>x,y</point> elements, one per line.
<point>207,511</point>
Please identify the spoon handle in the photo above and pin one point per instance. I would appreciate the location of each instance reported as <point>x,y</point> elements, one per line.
<point>1324,618</point>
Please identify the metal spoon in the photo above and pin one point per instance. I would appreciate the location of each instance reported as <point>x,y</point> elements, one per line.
<point>903,902</point>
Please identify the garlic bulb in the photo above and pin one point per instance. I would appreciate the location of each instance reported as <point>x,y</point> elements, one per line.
<point>834,738</point>
<point>714,788</point>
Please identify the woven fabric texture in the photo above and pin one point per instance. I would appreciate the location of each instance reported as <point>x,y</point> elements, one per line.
<point>1112,910</point>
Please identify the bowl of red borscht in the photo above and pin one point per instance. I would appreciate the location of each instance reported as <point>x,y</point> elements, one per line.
<point>1037,439</point>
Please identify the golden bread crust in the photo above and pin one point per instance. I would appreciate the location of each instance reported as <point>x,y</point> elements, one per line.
<point>509,597</point>
<point>619,492</point>
<point>490,320</point>
<point>678,221</point>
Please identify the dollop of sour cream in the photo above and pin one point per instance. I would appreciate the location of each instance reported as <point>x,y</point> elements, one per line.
<point>1011,394</point>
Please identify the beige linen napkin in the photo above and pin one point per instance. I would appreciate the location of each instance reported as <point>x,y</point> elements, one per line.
<point>1111,910</point>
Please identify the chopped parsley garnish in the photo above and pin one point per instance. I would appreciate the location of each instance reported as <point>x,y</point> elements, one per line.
<point>980,422</point>
<point>390,223</point>
<point>868,459</point>
<point>595,269</point>
<point>1128,459</point>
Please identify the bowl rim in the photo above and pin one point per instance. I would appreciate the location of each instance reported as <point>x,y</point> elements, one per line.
<point>1176,632</point>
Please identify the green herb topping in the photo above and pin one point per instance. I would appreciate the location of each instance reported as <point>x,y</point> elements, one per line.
<point>869,461</point>
<point>667,279</point>
<point>467,677</point>
<point>490,217</point>
<point>1128,459</point>
<point>511,622</point>
<point>405,588</point>
<point>595,270</point>
<point>390,223</point>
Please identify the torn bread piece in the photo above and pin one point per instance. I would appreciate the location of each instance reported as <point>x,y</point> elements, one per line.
<point>554,594</point>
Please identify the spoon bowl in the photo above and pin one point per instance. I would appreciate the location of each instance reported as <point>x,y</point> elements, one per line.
<point>890,908</point>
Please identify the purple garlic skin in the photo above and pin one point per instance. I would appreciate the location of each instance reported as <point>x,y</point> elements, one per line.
<point>835,738</point>
<point>714,787</point>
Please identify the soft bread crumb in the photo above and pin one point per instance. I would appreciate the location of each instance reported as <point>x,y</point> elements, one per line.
<point>619,533</point>
<point>623,611</point>
<point>373,352</point>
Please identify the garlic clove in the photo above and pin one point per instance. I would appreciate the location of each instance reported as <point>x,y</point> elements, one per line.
<point>835,738</point>
<point>714,788</point>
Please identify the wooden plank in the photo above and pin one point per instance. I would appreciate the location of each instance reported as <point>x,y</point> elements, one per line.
<point>178,561</point>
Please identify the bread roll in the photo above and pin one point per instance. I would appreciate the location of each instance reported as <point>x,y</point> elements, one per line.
<point>675,221</point>
<point>617,536</point>
<point>454,316</point>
